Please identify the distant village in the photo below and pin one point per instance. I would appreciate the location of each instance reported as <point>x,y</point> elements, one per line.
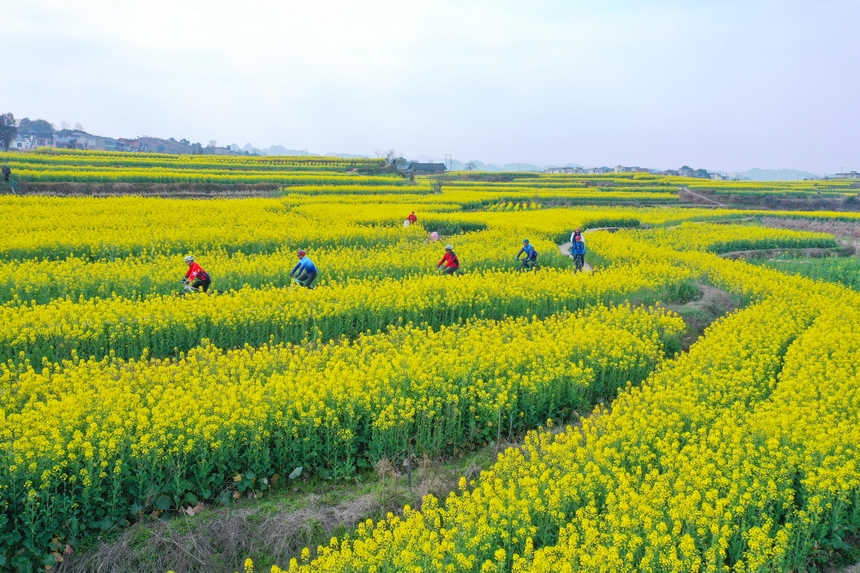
<point>40,133</point>
<point>682,172</point>
<point>33,134</point>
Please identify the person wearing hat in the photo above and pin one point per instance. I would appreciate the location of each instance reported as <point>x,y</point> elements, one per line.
<point>450,263</point>
<point>198,278</point>
<point>305,271</point>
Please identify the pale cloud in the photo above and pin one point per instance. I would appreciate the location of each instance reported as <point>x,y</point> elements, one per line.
<point>722,84</point>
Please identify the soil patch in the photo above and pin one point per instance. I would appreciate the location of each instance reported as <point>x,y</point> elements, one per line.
<point>846,233</point>
<point>711,304</point>
<point>812,253</point>
<point>769,201</point>
<point>841,561</point>
<point>277,527</point>
<point>694,197</point>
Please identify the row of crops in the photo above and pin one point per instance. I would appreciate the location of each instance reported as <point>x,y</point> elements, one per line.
<point>648,183</point>
<point>194,176</point>
<point>119,399</point>
<point>740,455</point>
<point>67,158</point>
<point>321,174</point>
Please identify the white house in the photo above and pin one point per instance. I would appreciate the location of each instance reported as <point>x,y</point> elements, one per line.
<point>22,143</point>
<point>565,170</point>
<point>27,141</point>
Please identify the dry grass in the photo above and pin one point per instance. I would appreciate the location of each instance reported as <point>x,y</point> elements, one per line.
<point>837,228</point>
<point>272,530</point>
<point>847,234</point>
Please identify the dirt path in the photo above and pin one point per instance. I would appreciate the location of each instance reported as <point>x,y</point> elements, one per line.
<point>703,198</point>
<point>806,252</point>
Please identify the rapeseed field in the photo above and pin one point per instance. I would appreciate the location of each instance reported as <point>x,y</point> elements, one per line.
<point>123,395</point>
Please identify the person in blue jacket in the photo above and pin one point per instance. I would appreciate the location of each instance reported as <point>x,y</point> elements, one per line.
<point>577,249</point>
<point>530,252</point>
<point>305,271</point>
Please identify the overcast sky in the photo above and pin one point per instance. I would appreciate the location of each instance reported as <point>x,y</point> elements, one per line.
<point>719,84</point>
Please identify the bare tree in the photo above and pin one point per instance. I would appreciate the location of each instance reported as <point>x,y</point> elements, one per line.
<point>436,182</point>
<point>213,143</point>
<point>64,124</point>
<point>79,127</point>
<point>393,161</point>
<point>471,166</point>
<point>8,129</point>
<point>391,156</point>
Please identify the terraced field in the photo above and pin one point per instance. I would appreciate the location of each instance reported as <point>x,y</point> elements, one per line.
<point>123,403</point>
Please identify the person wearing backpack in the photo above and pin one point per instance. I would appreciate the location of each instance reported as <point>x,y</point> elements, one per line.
<point>577,249</point>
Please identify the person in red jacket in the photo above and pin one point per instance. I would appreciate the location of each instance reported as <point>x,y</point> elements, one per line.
<point>412,218</point>
<point>198,278</point>
<point>450,263</point>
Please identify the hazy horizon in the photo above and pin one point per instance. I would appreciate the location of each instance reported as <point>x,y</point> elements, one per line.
<point>726,85</point>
